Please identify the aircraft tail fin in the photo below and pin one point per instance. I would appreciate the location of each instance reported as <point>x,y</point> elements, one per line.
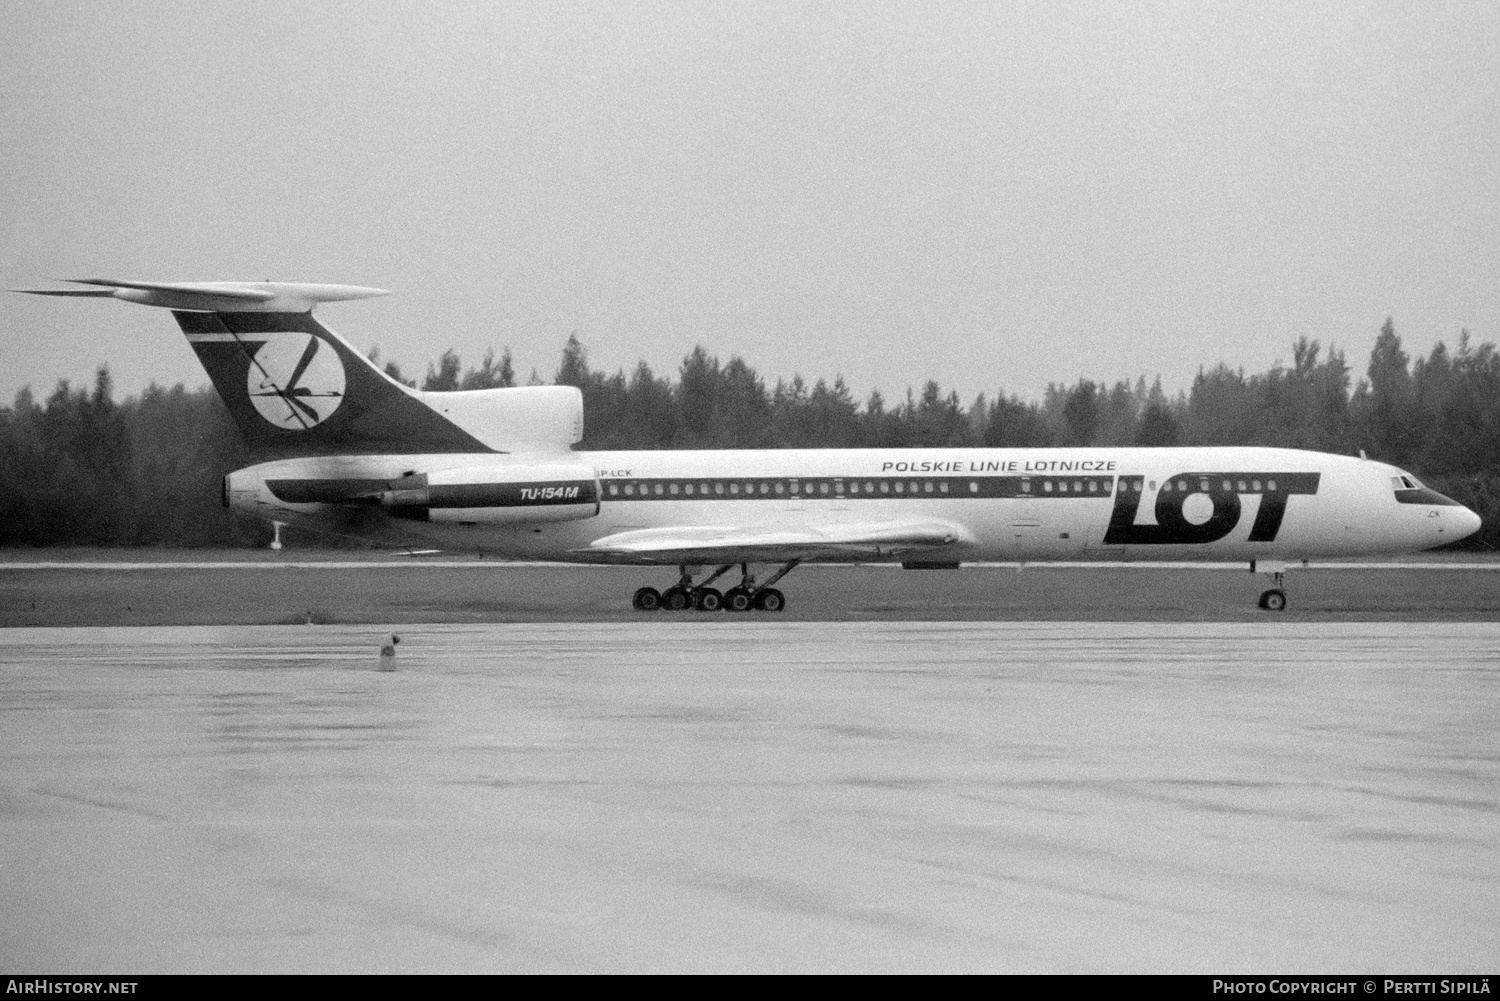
<point>294,387</point>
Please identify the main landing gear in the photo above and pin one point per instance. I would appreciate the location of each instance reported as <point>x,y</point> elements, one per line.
<point>744,596</point>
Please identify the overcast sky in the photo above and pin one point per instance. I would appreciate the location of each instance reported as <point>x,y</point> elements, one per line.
<point>992,195</point>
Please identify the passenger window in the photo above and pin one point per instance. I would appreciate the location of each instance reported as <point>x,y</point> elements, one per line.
<point>1241,485</point>
<point>630,488</point>
<point>943,487</point>
<point>927,487</point>
<point>1227,487</point>
<point>1078,486</point>
<point>1255,485</point>
<point>1203,486</point>
<point>1025,486</point>
<point>780,488</point>
<point>822,488</point>
<point>1046,486</point>
<point>1270,484</point>
<point>674,489</point>
<point>657,490</point>
<point>613,490</point>
<point>734,488</point>
<point>973,487</point>
<point>885,486</point>
<point>1093,486</point>
<point>718,488</point>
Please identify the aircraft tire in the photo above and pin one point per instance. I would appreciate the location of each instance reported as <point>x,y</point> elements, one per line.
<point>770,600</point>
<point>647,599</point>
<point>709,600</point>
<point>1273,600</point>
<point>737,599</point>
<point>675,599</point>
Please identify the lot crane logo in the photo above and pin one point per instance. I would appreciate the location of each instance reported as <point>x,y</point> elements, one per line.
<point>296,381</point>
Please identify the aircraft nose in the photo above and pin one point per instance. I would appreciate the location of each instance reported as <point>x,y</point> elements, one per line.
<point>1468,523</point>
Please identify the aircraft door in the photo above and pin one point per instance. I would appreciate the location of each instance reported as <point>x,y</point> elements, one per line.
<point>1025,520</point>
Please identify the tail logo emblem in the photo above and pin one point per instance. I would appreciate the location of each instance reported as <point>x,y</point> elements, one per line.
<point>296,381</point>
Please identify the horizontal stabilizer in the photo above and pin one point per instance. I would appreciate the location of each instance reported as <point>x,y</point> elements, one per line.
<point>92,292</point>
<point>227,297</point>
<point>761,543</point>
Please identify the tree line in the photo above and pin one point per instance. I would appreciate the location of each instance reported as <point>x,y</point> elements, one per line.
<point>83,469</point>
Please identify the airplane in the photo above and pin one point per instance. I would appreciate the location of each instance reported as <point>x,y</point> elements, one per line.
<point>344,447</point>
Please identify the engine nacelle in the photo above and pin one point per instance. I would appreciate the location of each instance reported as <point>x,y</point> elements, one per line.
<point>497,495</point>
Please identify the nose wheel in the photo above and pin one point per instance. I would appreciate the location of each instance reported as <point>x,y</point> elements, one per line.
<point>1274,599</point>
<point>743,597</point>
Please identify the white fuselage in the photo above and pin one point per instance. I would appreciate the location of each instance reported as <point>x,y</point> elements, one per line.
<point>1208,503</point>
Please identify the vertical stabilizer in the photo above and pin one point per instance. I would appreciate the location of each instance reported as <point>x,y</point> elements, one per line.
<point>295,387</point>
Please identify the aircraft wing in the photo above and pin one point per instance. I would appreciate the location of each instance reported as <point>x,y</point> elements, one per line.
<point>770,543</point>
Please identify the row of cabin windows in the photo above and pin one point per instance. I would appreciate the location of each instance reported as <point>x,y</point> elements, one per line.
<point>778,488</point>
<point>839,488</point>
<point>855,488</point>
<point>1137,484</point>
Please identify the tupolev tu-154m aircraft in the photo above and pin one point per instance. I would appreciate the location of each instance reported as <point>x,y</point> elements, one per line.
<point>346,448</point>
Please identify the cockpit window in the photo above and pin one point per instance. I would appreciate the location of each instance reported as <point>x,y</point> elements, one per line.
<point>1405,482</point>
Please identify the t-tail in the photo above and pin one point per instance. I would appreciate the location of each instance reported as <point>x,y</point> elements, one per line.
<point>296,388</point>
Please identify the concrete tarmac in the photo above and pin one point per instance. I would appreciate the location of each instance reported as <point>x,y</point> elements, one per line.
<point>752,795</point>
<point>286,590</point>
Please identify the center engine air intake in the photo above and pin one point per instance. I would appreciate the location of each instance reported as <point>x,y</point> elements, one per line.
<point>514,494</point>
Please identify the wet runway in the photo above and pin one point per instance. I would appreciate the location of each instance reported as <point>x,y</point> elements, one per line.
<point>750,795</point>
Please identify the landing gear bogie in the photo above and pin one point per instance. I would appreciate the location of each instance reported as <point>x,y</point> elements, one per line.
<point>744,596</point>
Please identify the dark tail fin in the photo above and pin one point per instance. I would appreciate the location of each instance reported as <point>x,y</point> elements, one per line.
<point>295,387</point>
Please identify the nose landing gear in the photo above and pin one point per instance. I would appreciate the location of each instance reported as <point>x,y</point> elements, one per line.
<point>1274,599</point>
<point>744,596</point>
